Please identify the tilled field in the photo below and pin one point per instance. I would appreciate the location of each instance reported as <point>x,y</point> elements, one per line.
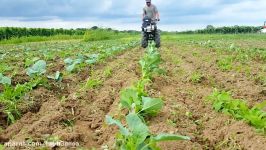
<point>187,109</point>
<point>75,109</point>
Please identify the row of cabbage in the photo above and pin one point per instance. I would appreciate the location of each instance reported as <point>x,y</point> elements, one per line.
<point>12,95</point>
<point>15,58</point>
<point>135,135</point>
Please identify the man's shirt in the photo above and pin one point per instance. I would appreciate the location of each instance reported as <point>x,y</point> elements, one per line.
<point>150,11</point>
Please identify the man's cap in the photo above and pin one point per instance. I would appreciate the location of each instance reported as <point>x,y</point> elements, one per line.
<point>148,1</point>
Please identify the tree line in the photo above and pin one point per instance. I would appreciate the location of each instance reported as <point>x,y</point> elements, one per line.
<point>226,30</point>
<point>230,30</point>
<point>15,32</point>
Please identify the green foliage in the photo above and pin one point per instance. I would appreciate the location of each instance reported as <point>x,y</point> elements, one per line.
<point>150,63</point>
<point>196,77</point>
<point>2,147</point>
<point>226,30</point>
<point>68,123</point>
<point>90,59</point>
<point>107,72</point>
<point>104,34</point>
<point>169,137</point>
<point>128,97</point>
<point>16,33</point>
<point>26,39</point>
<point>93,83</point>
<point>99,34</point>
<point>4,67</point>
<point>261,79</point>
<point>10,97</point>
<point>141,85</point>
<point>255,116</point>
<point>38,68</point>
<point>225,44</point>
<point>151,106</point>
<point>31,56</point>
<point>4,80</point>
<point>81,59</point>
<point>30,61</point>
<point>132,100</point>
<point>136,99</point>
<point>71,64</point>
<point>57,77</point>
<point>137,135</point>
<point>225,64</point>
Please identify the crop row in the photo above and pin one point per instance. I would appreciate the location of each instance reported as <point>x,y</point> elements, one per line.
<point>240,54</point>
<point>14,57</point>
<point>11,96</point>
<point>255,116</point>
<point>135,135</point>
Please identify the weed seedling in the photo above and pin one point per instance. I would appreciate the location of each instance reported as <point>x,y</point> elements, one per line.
<point>93,83</point>
<point>196,77</point>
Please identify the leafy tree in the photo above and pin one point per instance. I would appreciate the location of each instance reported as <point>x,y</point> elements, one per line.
<point>14,32</point>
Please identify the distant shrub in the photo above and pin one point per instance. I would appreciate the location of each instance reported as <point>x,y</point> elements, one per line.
<point>100,34</point>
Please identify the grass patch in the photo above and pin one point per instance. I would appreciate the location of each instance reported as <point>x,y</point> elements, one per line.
<point>40,39</point>
<point>105,34</point>
<point>93,83</point>
<point>225,64</point>
<point>107,72</point>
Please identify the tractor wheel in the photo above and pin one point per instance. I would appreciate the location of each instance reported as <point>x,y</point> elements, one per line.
<point>157,39</point>
<point>144,41</point>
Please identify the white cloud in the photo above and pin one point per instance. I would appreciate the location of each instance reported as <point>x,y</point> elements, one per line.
<point>175,15</point>
<point>106,6</point>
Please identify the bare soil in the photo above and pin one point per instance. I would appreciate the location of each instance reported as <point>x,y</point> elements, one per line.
<point>187,110</point>
<point>77,114</point>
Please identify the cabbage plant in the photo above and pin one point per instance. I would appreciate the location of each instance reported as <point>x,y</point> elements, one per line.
<point>38,68</point>
<point>136,136</point>
<point>5,80</point>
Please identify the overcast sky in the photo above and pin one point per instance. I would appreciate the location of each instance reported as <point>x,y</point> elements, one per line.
<point>126,14</point>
